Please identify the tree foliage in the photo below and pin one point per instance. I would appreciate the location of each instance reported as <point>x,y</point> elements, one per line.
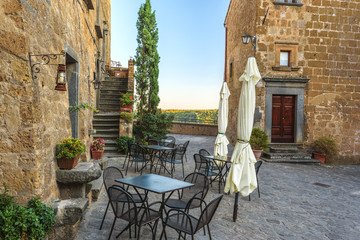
<point>147,61</point>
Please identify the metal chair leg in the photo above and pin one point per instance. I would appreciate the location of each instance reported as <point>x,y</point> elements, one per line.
<point>104,214</point>
<point>112,228</point>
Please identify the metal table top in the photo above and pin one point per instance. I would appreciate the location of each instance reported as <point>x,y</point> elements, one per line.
<point>155,183</point>
<point>157,147</point>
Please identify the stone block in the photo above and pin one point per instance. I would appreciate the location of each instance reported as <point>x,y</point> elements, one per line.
<point>69,212</point>
<point>84,172</point>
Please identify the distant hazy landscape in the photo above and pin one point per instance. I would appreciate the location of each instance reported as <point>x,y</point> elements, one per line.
<point>194,116</point>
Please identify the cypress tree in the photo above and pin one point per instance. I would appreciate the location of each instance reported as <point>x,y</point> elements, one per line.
<point>147,61</point>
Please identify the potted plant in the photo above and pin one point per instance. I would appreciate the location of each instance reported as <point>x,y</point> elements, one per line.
<point>258,142</point>
<point>97,148</point>
<point>325,147</point>
<point>127,101</point>
<point>68,152</point>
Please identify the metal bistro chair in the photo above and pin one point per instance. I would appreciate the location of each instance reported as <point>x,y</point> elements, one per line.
<point>131,213</point>
<point>199,190</point>
<point>181,150</point>
<point>128,152</point>
<point>138,155</point>
<point>185,223</point>
<point>109,176</point>
<point>173,140</point>
<point>168,156</point>
<point>204,152</point>
<point>257,168</point>
<point>204,166</point>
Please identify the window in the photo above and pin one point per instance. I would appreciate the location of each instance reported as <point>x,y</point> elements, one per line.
<point>231,70</point>
<point>285,58</point>
<point>288,2</point>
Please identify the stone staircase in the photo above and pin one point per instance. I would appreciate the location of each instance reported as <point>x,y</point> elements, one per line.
<point>110,93</point>
<point>287,153</point>
<point>107,127</point>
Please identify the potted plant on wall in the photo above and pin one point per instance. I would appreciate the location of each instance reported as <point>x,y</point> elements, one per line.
<point>68,152</point>
<point>258,142</point>
<point>325,147</point>
<point>127,116</point>
<point>97,148</point>
<point>127,101</point>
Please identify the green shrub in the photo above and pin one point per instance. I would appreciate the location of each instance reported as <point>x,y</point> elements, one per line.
<point>326,145</point>
<point>121,143</point>
<point>258,139</point>
<point>69,148</point>
<point>153,126</point>
<point>34,220</point>
<point>127,116</point>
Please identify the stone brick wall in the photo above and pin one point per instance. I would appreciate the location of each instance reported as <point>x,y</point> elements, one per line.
<point>325,37</point>
<point>33,116</point>
<point>194,129</point>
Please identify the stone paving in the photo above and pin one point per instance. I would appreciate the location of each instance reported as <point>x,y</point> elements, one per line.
<point>297,201</point>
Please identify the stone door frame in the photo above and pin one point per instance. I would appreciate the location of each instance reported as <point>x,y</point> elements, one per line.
<point>286,86</point>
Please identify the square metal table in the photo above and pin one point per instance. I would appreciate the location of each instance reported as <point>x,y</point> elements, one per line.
<point>156,184</point>
<point>157,149</point>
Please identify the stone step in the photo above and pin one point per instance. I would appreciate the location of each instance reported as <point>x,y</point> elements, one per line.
<point>113,155</point>
<point>107,115</point>
<point>99,126</point>
<point>283,150</point>
<point>95,187</point>
<point>106,136</point>
<point>291,160</point>
<point>286,155</point>
<point>70,211</point>
<point>105,120</point>
<point>110,101</point>
<point>285,145</point>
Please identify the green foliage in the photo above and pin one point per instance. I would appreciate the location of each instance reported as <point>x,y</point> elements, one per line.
<point>258,139</point>
<point>153,126</point>
<point>194,116</point>
<point>121,143</point>
<point>326,145</point>
<point>126,99</point>
<point>127,116</point>
<point>69,148</point>
<point>147,61</point>
<point>34,220</point>
<point>83,106</point>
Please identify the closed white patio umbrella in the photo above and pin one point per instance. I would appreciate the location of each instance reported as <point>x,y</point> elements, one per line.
<point>221,142</point>
<point>242,175</point>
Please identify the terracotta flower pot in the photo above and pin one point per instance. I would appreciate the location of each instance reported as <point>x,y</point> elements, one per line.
<point>97,154</point>
<point>320,157</point>
<point>257,154</point>
<point>67,163</point>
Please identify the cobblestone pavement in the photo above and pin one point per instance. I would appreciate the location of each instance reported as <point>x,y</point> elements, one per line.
<point>291,206</point>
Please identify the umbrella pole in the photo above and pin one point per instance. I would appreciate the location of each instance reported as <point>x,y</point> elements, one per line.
<point>235,206</point>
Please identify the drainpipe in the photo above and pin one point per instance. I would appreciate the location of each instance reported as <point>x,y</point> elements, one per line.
<point>225,52</point>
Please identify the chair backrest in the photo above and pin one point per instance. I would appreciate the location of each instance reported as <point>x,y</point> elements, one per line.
<point>122,203</point>
<point>138,151</point>
<point>109,176</point>
<point>257,166</point>
<point>198,161</point>
<point>171,138</point>
<point>204,152</point>
<point>208,213</point>
<point>201,184</point>
<point>172,144</point>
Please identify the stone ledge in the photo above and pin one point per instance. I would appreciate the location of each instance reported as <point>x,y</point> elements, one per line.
<point>69,212</point>
<point>83,172</point>
<point>95,188</point>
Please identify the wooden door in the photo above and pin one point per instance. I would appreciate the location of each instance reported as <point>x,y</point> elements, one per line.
<point>283,119</point>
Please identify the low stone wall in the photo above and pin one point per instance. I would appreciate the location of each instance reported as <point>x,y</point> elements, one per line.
<point>194,129</point>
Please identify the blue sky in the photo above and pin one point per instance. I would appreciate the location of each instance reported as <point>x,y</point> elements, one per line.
<point>191,48</point>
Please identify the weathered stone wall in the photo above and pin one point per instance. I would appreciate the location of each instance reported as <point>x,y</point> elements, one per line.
<point>33,116</point>
<point>324,36</point>
<point>194,129</point>
<point>240,18</point>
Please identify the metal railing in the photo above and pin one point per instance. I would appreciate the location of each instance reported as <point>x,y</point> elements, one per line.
<point>195,120</point>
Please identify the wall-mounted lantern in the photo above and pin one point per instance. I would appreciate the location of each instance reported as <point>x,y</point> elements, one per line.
<point>96,82</point>
<point>37,60</point>
<point>61,78</point>
<point>246,39</point>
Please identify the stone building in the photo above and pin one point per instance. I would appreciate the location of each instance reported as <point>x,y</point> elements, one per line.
<point>34,117</point>
<point>308,53</point>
